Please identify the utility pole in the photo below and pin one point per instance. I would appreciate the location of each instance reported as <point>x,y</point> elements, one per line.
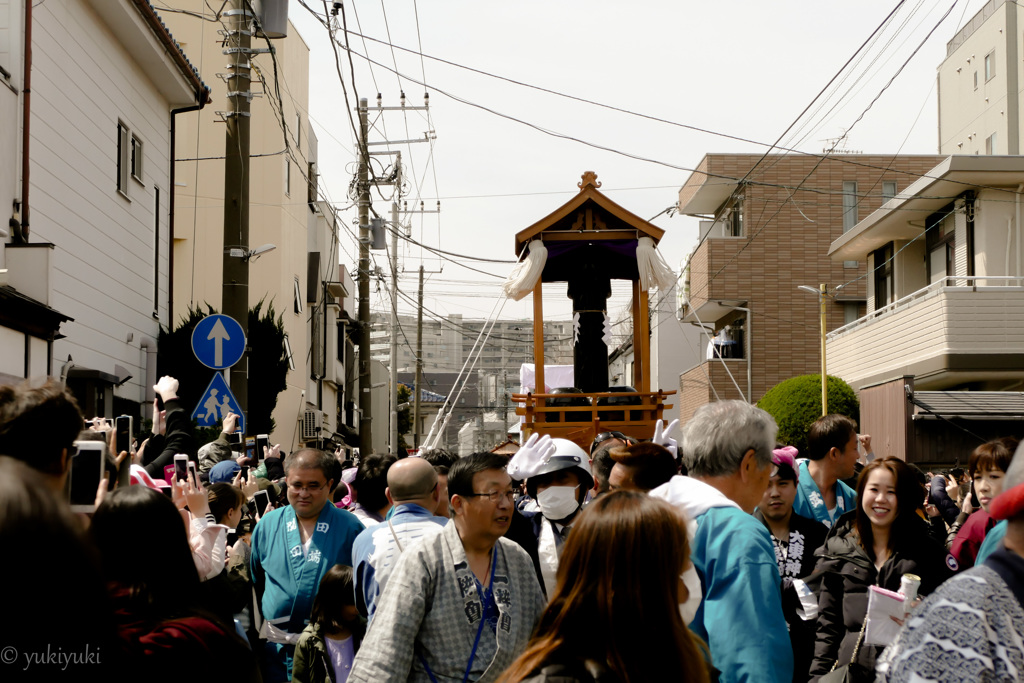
<point>235,291</point>
<point>419,365</point>
<point>393,443</point>
<point>822,295</point>
<point>363,188</point>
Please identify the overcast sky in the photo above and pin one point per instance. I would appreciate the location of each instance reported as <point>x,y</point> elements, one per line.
<point>745,69</point>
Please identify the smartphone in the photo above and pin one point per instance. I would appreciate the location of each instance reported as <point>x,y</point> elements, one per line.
<point>262,442</point>
<point>195,475</point>
<point>261,499</point>
<point>233,439</point>
<point>123,432</point>
<point>181,467</point>
<point>87,469</point>
<point>250,448</point>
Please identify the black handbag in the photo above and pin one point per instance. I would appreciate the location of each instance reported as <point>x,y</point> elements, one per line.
<point>841,674</point>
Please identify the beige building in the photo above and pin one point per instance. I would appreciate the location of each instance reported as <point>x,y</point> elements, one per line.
<point>979,83</point>
<point>938,361</point>
<point>301,276</point>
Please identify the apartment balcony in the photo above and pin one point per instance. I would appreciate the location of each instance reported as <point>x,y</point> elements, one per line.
<point>958,331</point>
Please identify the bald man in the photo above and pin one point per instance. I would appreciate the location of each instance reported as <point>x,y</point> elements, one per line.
<point>413,491</point>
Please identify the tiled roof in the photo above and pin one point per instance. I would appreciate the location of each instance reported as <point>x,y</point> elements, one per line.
<point>159,28</point>
<point>977,405</point>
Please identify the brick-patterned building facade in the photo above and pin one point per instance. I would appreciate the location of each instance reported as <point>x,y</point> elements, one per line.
<point>765,236</point>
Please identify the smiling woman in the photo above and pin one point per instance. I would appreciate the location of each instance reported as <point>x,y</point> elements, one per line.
<point>876,544</point>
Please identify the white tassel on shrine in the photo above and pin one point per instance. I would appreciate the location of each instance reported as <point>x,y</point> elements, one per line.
<point>527,272</point>
<point>652,267</point>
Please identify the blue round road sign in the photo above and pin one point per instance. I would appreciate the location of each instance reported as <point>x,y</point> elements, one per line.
<point>218,341</point>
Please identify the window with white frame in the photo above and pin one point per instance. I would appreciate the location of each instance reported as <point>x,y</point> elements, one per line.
<point>136,158</point>
<point>888,190</point>
<point>850,216</point>
<point>990,66</point>
<point>123,158</point>
<point>287,177</point>
<point>990,144</point>
<point>298,296</point>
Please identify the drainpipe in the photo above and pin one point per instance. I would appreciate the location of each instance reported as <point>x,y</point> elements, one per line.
<point>26,92</point>
<point>749,344</point>
<point>201,99</point>
<point>149,346</point>
<point>1009,239</point>
<point>1020,188</point>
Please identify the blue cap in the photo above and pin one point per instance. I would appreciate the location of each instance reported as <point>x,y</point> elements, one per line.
<point>224,472</point>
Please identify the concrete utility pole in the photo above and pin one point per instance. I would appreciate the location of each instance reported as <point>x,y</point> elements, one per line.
<point>419,364</point>
<point>393,441</point>
<point>235,292</point>
<point>365,404</point>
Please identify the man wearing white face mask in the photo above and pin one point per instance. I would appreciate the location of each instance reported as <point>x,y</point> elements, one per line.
<point>560,487</point>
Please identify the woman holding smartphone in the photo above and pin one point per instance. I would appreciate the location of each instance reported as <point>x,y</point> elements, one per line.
<point>876,544</point>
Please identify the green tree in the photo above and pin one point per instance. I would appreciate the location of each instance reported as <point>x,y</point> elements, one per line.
<point>267,364</point>
<point>795,404</point>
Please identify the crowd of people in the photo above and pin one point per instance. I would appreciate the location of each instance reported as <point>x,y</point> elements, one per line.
<point>718,556</point>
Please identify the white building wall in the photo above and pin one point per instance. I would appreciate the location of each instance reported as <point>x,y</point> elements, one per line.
<point>103,270</point>
<point>968,115</point>
<point>10,109</point>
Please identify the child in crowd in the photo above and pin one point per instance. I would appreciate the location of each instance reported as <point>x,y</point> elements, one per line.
<point>328,646</point>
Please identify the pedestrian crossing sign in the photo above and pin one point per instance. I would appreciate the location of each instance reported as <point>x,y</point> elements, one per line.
<point>215,404</point>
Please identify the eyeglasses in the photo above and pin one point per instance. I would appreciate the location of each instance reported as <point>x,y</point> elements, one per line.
<point>495,496</point>
<point>312,488</point>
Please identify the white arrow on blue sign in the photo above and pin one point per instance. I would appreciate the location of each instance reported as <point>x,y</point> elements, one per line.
<point>215,404</point>
<point>218,341</point>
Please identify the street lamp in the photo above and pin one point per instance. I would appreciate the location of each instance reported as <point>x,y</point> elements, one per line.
<point>821,293</point>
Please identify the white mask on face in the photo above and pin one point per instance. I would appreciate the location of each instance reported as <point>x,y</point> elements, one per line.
<point>688,609</point>
<point>558,502</point>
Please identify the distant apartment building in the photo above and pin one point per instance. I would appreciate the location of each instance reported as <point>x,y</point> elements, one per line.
<point>767,230</point>
<point>979,83</point>
<point>87,144</point>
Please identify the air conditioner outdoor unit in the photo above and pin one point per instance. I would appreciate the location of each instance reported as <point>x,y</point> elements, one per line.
<point>312,423</point>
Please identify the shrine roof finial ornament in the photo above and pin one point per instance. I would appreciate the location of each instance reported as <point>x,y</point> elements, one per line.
<point>589,178</point>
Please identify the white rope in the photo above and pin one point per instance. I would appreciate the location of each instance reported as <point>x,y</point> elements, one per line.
<point>526,273</point>
<point>651,265</point>
<point>444,415</point>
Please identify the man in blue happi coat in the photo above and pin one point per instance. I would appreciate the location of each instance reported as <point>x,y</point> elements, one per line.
<point>292,549</point>
<point>832,451</point>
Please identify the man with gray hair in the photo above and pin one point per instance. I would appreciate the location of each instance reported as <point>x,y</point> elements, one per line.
<point>292,549</point>
<point>736,606</point>
<point>413,489</point>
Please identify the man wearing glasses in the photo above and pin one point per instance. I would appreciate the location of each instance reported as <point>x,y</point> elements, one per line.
<point>292,549</point>
<point>461,604</point>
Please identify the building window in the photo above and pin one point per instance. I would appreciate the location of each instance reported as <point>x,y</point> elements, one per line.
<point>975,79</point>
<point>851,310</point>
<point>990,144</point>
<point>298,296</point>
<point>735,225</point>
<point>341,342</point>
<point>287,177</point>
<point>850,216</point>
<point>885,290</point>
<point>298,131</point>
<point>156,252</point>
<point>990,66</point>
<point>888,190</point>
<point>136,160</point>
<point>940,239</point>
<point>123,160</point>
<point>311,195</point>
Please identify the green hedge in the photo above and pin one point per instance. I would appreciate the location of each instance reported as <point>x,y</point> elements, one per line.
<point>796,403</point>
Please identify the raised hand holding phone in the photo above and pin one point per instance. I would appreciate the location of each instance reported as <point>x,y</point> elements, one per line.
<point>196,497</point>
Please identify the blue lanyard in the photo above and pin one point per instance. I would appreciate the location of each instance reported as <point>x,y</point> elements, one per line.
<point>484,602</point>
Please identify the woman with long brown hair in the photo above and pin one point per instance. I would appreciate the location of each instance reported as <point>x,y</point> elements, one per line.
<point>876,544</point>
<point>614,615</point>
